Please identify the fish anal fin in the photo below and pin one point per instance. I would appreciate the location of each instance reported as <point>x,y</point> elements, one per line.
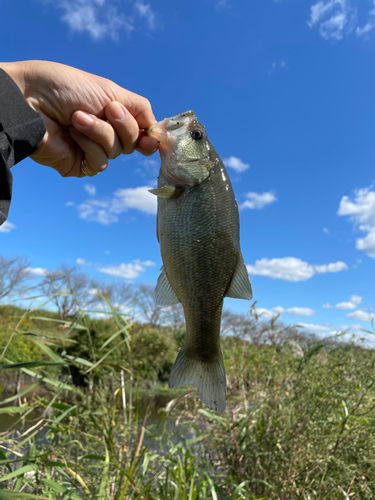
<point>209,377</point>
<point>240,287</point>
<point>164,294</point>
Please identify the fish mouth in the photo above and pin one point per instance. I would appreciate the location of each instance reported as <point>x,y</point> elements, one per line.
<point>178,121</point>
<point>170,124</point>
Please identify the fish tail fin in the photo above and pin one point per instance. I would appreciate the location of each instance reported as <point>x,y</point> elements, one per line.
<point>209,377</point>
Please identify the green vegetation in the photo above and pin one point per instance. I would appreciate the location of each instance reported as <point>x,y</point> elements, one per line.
<point>300,419</point>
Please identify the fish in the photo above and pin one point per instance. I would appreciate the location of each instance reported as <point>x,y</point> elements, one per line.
<point>198,229</point>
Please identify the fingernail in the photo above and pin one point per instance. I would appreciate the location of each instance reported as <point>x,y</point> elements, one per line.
<point>83,119</point>
<point>117,110</point>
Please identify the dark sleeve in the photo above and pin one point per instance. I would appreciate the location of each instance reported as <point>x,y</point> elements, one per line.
<point>21,132</point>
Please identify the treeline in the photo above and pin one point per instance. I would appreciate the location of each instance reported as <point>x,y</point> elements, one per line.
<point>68,296</point>
<point>69,290</point>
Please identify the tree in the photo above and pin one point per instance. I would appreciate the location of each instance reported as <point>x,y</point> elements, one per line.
<point>145,302</point>
<point>232,323</point>
<point>175,316</point>
<point>13,273</point>
<point>120,295</point>
<point>67,289</point>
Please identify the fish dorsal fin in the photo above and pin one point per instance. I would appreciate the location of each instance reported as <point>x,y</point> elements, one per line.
<point>240,287</point>
<point>164,294</point>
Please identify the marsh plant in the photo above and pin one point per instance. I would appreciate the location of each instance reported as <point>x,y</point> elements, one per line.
<point>299,421</point>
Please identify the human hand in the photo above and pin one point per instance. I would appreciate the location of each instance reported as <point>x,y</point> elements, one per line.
<point>86,116</point>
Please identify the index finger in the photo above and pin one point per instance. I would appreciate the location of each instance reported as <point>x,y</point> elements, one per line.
<point>137,106</point>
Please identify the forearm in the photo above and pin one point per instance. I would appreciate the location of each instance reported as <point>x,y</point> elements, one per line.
<point>24,128</point>
<point>21,132</point>
<point>16,71</point>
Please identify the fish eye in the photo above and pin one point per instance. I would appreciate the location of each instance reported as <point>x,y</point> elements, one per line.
<point>197,135</point>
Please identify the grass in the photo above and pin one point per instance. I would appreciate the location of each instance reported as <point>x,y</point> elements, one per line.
<point>299,422</point>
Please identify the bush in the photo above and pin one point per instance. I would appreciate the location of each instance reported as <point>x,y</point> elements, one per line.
<point>299,422</point>
<point>157,349</point>
<point>303,427</point>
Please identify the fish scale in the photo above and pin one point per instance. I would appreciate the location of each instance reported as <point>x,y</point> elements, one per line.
<point>198,231</point>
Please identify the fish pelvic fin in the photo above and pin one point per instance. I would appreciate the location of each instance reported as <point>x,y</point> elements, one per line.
<point>240,287</point>
<point>164,294</point>
<point>209,377</point>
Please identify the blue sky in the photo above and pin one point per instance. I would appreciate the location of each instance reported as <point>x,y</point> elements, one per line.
<point>286,90</point>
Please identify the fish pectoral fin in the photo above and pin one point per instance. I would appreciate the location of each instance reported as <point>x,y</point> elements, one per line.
<point>166,192</point>
<point>240,287</point>
<point>164,294</point>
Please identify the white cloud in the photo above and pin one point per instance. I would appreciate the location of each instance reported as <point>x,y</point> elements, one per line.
<point>274,311</point>
<point>6,227</point>
<point>315,328</point>
<point>90,189</point>
<point>291,268</point>
<point>82,262</point>
<point>362,213</point>
<point>326,230</point>
<point>301,311</point>
<point>38,271</point>
<point>342,328</point>
<point>127,271</point>
<point>258,200</point>
<point>361,316</point>
<point>144,11</point>
<point>287,268</point>
<point>369,25</point>
<point>102,18</point>
<point>107,252</point>
<point>236,163</point>
<point>367,244</point>
<point>354,301</point>
<point>329,330</point>
<point>138,198</point>
<point>334,17</point>
<point>331,268</point>
<point>97,211</point>
<point>269,313</point>
<point>69,204</point>
<point>106,211</point>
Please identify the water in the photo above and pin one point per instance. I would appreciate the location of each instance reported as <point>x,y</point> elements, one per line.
<point>150,403</point>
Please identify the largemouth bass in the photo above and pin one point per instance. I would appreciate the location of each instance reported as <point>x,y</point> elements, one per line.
<point>198,230</point>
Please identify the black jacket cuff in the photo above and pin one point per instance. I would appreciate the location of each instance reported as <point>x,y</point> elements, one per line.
<point>21,132</point>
